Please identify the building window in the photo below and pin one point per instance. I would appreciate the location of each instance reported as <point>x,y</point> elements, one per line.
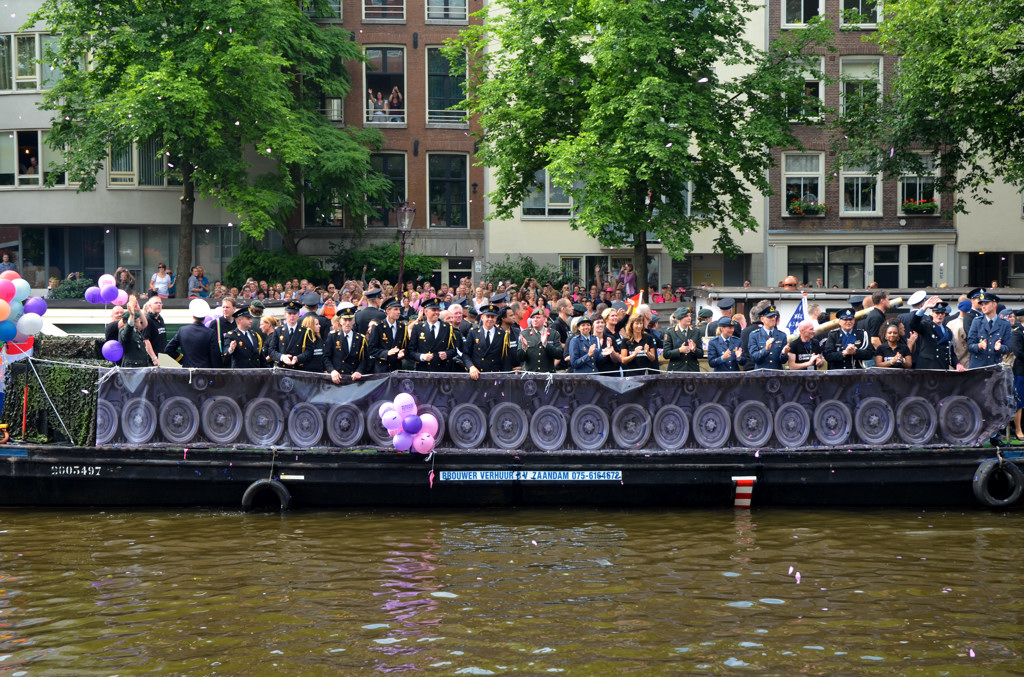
<point>859,13</point>
<point>384,74</point>
<point>919,265</point>
<point>384,11</point>
<point>334,109</point>
<point>22,66</point>
<point>846,266</point>
<point>141,164</point>
<point>861,192</point>
<point>917,193</point>
<point>887,265</point>
<point>449,176</point>
<point>447,10</point>
<point>24,158</point>
<point>546,199</point>
<point>813,92</point>
<point>860,80</point>
<point>571,266</point>
<point>802,178</point>
<point>806,263</point>
<point>391,165</point>
<point>444,91</point>
<point>799,12</point>
<point>324,11</point>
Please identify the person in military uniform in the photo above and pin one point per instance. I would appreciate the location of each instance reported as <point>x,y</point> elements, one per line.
<point>347,352</point>
<point>989,336</point>
<point>934,338</point>
<point>312,302</point>
<point>245,345</point>
<point>725,352</point>
<point>432,343</point>
<point>846,347</point>
<point>285,344</point>
<point>585,354</point>
<point>196,342</point>
<point>805,349</point>
<point>538,349</point>
<point>387,340</point>
<point>222,326</point>
<point>486,348</point>
<point>1017,346</point>
<point>131,336</point>
<point>372,314</point>
<point>683,347</point>
<point>768,346</point>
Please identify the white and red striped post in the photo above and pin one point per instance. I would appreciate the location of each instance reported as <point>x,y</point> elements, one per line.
<point>744,490</point>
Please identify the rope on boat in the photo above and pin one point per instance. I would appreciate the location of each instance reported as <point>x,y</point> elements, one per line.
<point>52,405</point>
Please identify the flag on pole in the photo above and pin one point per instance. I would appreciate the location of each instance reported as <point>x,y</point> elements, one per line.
<point>634,302</point>
<point>525,322</point>
<point>799,315</point>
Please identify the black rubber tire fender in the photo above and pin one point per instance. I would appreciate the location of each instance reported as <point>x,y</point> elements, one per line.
<point>984,473</point>
<point>260,486</point>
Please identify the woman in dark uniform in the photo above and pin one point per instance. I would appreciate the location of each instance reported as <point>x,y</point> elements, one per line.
<point>315,365</point>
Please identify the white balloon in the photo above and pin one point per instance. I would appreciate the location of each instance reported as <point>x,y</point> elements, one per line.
<point>106,279</point>
<point>22,289</point>
<point>29,324</point>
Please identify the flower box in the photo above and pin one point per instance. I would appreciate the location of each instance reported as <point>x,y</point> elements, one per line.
<point>920,207</point>
<point>805,208</point>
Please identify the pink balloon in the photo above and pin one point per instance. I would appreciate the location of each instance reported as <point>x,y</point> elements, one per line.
<point>7,289</point>
<point>429,424</point>
<point>106,280</point>
<point>405,405</point>
<point>403,442</point>
<point>423,443</point>
<point>122,297</point>
<point>394,432</point>
<point>391,420</point>
<point>9,275</point>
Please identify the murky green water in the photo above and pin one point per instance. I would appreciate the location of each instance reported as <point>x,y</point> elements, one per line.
<point>535,592</point>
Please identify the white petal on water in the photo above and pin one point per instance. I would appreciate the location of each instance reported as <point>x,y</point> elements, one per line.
<point>446,595</point>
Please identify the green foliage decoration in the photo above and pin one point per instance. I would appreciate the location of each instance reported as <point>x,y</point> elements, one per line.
<point>522,268</point>
<point>272,266</point>
<point>72,289</point>
<point>73,389</point>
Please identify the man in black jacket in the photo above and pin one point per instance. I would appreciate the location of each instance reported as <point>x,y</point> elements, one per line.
<point>197,343</point>
<point>246,347</point>
<point>846,347</point>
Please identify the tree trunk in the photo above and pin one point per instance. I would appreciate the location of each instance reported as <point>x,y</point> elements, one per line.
<point>640,263</point>
<point>185,228</point>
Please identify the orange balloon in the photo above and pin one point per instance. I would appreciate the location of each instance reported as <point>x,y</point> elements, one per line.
<point>5,310</point>
<point>9,275</point>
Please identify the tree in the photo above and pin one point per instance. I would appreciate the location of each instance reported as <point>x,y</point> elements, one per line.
<point>380,262</point>
<point>957,93</point>
<point>622,104</point>
<point>226,90</point>
<point>523,268</point>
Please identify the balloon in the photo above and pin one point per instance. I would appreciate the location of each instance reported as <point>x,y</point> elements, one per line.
<point>108,293</point>
<point>106,280</point>
<point>29,324</point>
<point>8,330</point>
<point>429,424</point>
<point>122,297</point>
<point>208,320</point>
<point>394,432</point>
<point>35,305</point>
<point>10,275</point>
<point>385,407</point>
<point>391,421</point>
<point>423,443</point>
<point>19,338</point>
<point>21,289</point>
<point>5,310</point>
<point>405,404</point>
<point>17,310</point>
<point>6,290</point>
<point>113,351</point>
<point>412,424</point>
<point>92,294</point>
<point>403,441</point>
<point>302,311</point>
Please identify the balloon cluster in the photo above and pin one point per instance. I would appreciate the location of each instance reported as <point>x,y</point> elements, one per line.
<point>20,315</point>
<point>106,292</point>
<point>407,429</point>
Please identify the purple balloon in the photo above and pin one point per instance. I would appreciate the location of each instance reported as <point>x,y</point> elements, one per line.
<point>35,305</point>
<point>113,351</point>
<point>403,442</point>
<point>92,295</point>
<point>390,420</point>
<point>8,330</point>
<point>109,293</point>
<point>412,424</point>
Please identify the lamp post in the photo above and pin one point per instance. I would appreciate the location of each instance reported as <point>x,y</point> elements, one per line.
<point>406,215</point>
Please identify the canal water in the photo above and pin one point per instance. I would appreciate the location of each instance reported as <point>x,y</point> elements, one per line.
<point>535,592</point>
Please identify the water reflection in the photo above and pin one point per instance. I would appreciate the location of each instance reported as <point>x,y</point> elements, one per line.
<point>859,592</point>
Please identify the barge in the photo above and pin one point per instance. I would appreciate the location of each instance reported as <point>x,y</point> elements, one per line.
<point>246,438</point>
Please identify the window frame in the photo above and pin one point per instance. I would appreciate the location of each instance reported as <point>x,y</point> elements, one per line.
<point>542,176</point>
<point>783,18</point>
<point>844,81</point>
<point>442,20</point>
<point>337,6</point>
<point>132,178</point>
<point>819,78</point>
<point>388,15</point>
<point>399,200</point>
<point>820,176</point>
<point>901,188</point>
<point>448,181</point>
<point>878,9</point>
<point>443,117</point>
<point>368,115</point>
<point>859,174</point>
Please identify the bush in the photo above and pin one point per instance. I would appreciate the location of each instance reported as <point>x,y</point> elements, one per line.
<point>524,267</point>
<point>72,289</point>
<point>381,261</point>
<point>272,266</point>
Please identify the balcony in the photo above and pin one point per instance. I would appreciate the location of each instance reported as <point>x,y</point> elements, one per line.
<point>384,11</point>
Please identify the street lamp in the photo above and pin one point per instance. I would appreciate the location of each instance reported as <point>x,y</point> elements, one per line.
<point>406,215</point>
